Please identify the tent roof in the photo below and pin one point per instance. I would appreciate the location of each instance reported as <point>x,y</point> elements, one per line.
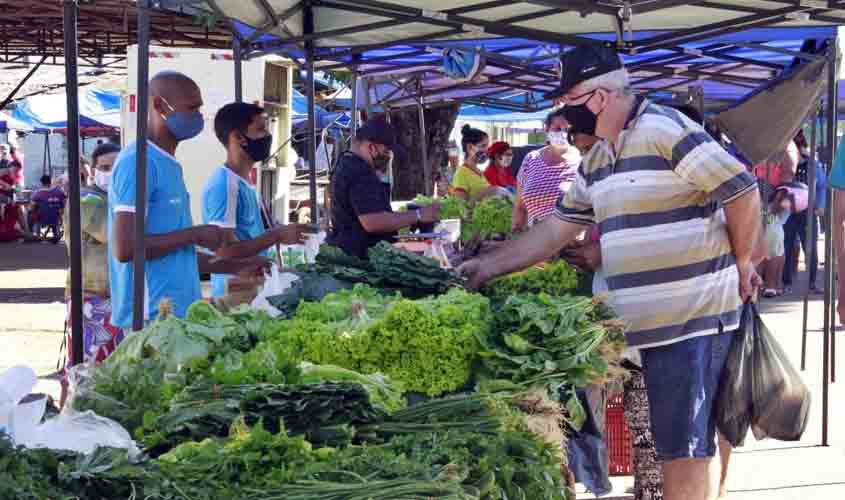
<point>354,23</point>
<point>669,45</point>
<point>97,108</point>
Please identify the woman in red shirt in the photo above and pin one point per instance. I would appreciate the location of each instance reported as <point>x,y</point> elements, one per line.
<point>498,173</point>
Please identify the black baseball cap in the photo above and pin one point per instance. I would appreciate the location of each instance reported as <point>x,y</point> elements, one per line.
<point>583,63</point>
<point>377,130</point>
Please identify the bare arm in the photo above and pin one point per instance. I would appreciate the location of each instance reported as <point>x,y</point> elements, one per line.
<point>388,222</point>
<point>743,216</point>
<point>536,246</point>
<point>212,264</point>
<point>157,246</point>
<point>288,235</point>
<point>520,214</point>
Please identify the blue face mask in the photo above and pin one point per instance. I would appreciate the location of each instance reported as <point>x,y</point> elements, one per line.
<point>184,125</point>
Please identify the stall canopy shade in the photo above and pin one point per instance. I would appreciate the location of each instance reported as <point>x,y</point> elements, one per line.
<point>782,106</point>
<point>350,23</point>
<point>97,108</point>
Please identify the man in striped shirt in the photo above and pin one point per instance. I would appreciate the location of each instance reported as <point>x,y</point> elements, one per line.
<point>679,218</point>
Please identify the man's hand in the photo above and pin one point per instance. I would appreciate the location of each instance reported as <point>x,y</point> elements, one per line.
<point>209,236</point>
<point>749,280</point>
<point>289,234</point>
<point>430,213</point>
<point>253,266</point>
<point>473,271</point>
<point>586,256</point>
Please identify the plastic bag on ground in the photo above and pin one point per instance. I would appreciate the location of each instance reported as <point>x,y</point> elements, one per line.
<point>734,401</point>
<point>781,399</point>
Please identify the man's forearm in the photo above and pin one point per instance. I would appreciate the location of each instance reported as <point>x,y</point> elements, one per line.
<point>159,245</point>
<point>543,241</point>
<point>743,216</point>
<point>248,248</point>
<point>388,222</point>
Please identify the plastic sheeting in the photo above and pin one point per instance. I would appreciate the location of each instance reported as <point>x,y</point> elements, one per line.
<point>782,105</point>
<point>97,108</point>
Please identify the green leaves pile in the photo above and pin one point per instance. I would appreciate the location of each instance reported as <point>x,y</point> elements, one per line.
<point>451,207</point>
<point>390,269</point>
<point>554,278</point>
<point>492,216</point>
<point>552,342</point>
<point>241,406</point>
<point>426,346</point>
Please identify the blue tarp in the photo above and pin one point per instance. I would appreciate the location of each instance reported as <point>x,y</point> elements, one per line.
<point>324,118</point>
<point>521,49</point>
<point>8,122</point>
<point>97,108</point>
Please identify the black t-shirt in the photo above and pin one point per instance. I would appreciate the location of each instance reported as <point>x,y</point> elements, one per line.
<point>356,191</point>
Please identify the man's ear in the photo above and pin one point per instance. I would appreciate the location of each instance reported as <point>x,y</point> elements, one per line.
<point>157,105</point>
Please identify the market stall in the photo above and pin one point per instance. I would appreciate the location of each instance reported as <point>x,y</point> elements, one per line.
<point>182,409</point>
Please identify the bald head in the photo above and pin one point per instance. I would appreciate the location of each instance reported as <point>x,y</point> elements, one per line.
<point>171,85</point>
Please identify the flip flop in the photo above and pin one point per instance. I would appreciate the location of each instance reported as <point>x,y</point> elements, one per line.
<point>770,293</point>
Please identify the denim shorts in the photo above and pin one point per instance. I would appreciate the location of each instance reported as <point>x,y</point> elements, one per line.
<point>681,381</point>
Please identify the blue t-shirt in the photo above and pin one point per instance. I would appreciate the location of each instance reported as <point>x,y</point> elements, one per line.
<point>837,173</point>
<point>229,201</point>
<point>174,276</point>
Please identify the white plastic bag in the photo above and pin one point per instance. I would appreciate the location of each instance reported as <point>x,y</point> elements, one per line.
<point>82,432</point>
<point>15,384</point>
<point>74,431</point>
<point>276,283</point>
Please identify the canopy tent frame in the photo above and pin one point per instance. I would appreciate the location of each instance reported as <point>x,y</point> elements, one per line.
<point>456,21</point>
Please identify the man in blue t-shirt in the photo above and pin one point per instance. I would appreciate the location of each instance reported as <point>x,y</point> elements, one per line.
<point>229,201</point>
<point>172,266</point>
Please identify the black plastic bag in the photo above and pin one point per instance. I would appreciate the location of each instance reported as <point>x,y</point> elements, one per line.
<point>760,388</point>
<point>781,399</point>
<point>734,399</point>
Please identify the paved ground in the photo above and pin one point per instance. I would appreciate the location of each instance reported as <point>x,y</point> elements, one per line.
<point>32,317</point>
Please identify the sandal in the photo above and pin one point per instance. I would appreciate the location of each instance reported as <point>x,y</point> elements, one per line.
<point>770,293</point>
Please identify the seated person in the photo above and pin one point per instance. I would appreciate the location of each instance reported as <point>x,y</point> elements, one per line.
<point>49,202</point>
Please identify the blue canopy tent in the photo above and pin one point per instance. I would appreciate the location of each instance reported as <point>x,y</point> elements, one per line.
<point>8,122</point>
<point>46,113</point>
<point>324,118</point>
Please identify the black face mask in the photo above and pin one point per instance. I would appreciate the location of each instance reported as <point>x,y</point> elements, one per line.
<point>258,149</point>
<point>581,119</point>
<point>381,160</point>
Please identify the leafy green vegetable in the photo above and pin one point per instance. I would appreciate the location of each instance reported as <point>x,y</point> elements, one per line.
<point>383,394</point>
<point>426,346</point>
<point>551,342</point>
<point>490,216</point>
<point>555,278</point>
<point>451,207</point>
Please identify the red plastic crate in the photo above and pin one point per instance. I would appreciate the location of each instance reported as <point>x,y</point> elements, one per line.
<point>618,438</point>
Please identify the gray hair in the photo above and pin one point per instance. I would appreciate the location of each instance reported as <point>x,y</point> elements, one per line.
<point>617,81</point>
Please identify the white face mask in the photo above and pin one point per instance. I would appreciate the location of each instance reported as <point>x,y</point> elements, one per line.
<point>102,179</point>
<point>558,138</point>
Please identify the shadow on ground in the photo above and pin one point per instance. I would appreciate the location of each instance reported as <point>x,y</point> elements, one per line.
<point>26,256</point>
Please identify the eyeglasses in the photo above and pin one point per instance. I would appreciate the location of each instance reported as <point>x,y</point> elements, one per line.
<point>569,102</point>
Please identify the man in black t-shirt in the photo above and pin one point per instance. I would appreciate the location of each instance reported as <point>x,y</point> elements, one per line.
<point>360,209</point>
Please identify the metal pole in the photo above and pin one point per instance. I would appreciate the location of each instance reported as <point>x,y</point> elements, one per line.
<point>424,149</point>
<point>308,28</point>
<point>239,75</point>
<point>139,256</point>
<point>828,244</point>
<point>354,86</point>
<point>811,229</point>
<point>72,85</point>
